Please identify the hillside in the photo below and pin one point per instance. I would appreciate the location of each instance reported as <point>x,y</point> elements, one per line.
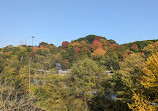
<point>106,52</point>
<point>141,44</point>
<point>102,76</point>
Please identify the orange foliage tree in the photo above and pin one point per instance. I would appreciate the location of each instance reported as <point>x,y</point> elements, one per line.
<point>34,49</point>
<point>98,52</point>
<point>58,56</point>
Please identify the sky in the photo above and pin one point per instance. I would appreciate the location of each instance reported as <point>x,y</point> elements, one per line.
<point>55,21</point>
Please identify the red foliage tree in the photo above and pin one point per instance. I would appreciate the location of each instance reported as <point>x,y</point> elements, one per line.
<point>77,50</point>
<point>107,43</point>
<point>5,53</point>
<point>41,46</point>
<point>96,44</point>
<point>134,47</point>
<point>65,44</point>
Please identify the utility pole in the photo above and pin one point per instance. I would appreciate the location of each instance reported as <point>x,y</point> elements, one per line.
<point>32,40</point>
<point>29,66</point>
<point>29,76</point>
<point>32,47</point>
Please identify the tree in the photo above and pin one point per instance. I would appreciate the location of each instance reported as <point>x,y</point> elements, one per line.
<point>89,39</point>
<point>82,83</point>
<point>52,48</point>
<point>8,48</point>
<point>145,98</point>
<point>96,44</point>
<point>13,98</point>
<point>112,41</point>
<point>130,73</point>
<point>58,56</point>
<point>134,47</point>
<point>43,43</point>
<point>141,81</point>
<point>151,48</point>
<point>130,69</point>
<point>141,104</point>
<point>65,44</point>
<point>111,60</point>
<point>150,79</point>
<point>52,95</point>
<point>98,52</point>
<point>66,64</point>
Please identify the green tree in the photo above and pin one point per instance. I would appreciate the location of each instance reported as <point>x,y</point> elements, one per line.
<point>111,59</point>
<point>112,41</point>
<point>8,48</point>
<point>43,43</point>
<point>82,83</point>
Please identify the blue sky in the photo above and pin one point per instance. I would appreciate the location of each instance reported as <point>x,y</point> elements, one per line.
<point>54,21</point>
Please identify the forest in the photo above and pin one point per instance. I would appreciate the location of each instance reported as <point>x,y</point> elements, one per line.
<point>101,76</point>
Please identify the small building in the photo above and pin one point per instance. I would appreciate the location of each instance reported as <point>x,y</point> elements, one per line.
<point>60,70</point>
<point>59,66</point>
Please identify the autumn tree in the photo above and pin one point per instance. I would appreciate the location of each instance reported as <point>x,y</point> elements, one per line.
<point>66,64</point>
<point>58,56</point>
<point>134,47</point>
<point>65,44</point>
<point>96,44</point>
<point>146,98</point>
<point>141,103</point>
<point>151,48</point>
<point>84,49</point>
<point>150,79</point>
<point>98,52</point>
